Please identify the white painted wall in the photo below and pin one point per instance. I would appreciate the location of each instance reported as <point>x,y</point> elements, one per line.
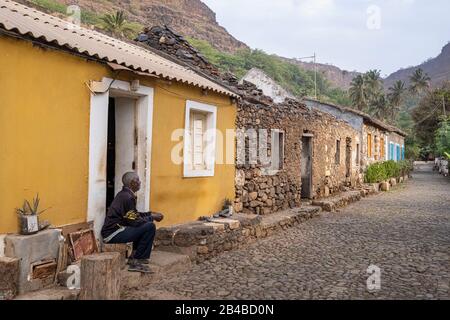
<point>269,87</point>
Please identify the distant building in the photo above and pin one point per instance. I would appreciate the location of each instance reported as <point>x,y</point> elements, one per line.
<point>380,141</point>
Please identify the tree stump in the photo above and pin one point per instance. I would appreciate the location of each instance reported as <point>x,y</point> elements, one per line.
<point>121,248</point>
<point>100,276</point>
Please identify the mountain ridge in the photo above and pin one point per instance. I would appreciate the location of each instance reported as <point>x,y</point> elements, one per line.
<point>437,68</point>
<point>193,18</point>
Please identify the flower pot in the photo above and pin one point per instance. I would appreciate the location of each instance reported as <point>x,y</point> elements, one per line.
<point>28,224</point>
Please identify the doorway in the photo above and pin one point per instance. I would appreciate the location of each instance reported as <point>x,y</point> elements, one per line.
<point>306,167</point>
<point>348,157</point>
<point>120,140</point>
<point>122,144</point>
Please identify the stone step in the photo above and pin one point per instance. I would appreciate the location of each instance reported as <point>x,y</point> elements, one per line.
<point>289,217</point>
<point>57,293</point>
<point>162,263</point>
<point>332,203</point>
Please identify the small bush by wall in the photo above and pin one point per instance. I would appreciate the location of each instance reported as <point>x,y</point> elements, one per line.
<point>381,171</point>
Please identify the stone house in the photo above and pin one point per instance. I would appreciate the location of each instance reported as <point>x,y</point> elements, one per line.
<point>378,140</point>
<point>318,155</point>
<point>395,145</point>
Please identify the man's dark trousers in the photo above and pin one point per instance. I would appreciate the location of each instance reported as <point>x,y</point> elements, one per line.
<point>142,238</point>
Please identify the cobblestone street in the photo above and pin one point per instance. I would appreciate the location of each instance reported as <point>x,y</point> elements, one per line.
<point>405,232</point>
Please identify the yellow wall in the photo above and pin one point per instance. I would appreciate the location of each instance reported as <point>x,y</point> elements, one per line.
<point>44,139</point>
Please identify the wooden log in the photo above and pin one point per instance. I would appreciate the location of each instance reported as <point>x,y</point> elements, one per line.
<point>121,248</point>
<point>100,276</point>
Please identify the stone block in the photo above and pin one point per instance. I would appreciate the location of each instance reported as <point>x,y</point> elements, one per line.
<point>9,277</point>
<point>393,182</point>
<point>217,227</point>
<point>202,250</point>
<point>385,186</point>
<point>326,192</point>
<point>376,187</point>
<point>31,249</point>
<point>231,223</point>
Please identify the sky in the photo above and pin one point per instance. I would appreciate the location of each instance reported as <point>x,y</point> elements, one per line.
<point>352,34</point>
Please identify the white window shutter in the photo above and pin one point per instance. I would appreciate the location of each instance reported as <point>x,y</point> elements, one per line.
<point>198,136</point>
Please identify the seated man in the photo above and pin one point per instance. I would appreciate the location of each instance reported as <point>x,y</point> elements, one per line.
<point>123,224</point>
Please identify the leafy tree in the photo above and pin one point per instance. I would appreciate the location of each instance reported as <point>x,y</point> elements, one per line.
<point>117,25</point>
<point>442,137</point>
<point>427,116</point>
<point>419,81</point>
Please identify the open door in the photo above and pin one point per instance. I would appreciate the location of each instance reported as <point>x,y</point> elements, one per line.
<point>306,167</point>
<point>120,140</point>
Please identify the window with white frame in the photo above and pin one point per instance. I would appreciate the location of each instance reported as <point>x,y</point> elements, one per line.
<point>277,150</point>
<point>200,140</point>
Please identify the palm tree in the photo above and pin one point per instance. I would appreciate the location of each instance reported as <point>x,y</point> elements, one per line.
<point>419,81</point>
<point>395,97</point>
<point>357,92</point>
<point>373,82</point>
<point>117,25</point>
<point>379,107</point>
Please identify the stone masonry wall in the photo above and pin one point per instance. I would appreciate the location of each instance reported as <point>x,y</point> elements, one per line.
<point>259,193</point>
<point>377,135</point>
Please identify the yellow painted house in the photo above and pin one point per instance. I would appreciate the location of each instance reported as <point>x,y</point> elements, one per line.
<point>79,108</point>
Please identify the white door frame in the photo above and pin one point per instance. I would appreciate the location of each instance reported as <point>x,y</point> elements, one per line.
<point>98,138</point>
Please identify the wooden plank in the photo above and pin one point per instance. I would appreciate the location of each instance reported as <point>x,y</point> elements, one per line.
<point>83,243</point>
<point>44,270</point>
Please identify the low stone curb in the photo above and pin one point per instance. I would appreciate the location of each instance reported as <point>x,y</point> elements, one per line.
<point>204,240</point>
<point>338,201</point>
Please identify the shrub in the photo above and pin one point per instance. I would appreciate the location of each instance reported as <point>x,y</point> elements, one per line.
<point>405,167</point>
<point>375,173</point>
<point>382,171</point>
<point>392,169</point>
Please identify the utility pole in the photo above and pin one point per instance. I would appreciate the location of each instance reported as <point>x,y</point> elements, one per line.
<point>443,106</point>
<point>315,72</point>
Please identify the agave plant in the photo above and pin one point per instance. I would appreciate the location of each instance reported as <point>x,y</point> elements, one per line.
<point>30,210</point>
<point>226,203</point>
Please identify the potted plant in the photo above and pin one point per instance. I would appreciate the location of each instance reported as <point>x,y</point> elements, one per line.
<point>29,216</point>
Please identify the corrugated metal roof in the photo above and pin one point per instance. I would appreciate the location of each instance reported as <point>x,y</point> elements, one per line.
<point>28,21</point>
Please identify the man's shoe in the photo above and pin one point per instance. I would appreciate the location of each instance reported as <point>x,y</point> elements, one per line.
<point>142,261</point>
<point>139,268</point>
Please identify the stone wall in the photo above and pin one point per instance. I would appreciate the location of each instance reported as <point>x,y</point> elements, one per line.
<point>260,193</point>
<point>377,136</point>
<point>204,240</point>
